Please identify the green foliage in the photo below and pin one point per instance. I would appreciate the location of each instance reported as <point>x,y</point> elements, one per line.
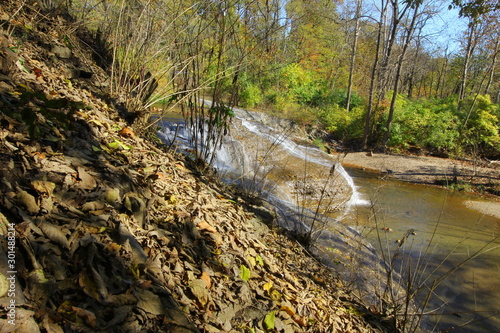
<point>442,125</point>
<point>299,84</point>
<point>338,97</point>
<point>429,124</point>
<point>250,95</point>
<point>481,121</point>
<point>344,125</point>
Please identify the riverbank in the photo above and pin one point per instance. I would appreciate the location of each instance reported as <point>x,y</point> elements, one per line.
<point>434,171</point>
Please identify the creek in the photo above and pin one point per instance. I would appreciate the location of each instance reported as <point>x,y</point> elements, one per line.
<point>349,213</point>
<point>450,232</point>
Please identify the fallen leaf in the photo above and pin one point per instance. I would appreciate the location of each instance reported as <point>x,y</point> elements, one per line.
<point>116,144</point>
<point>198,288</point>
<point>86,315</point>
<point>288,310</point>
<point>268,285</point>
<point>302,321</point>
<point>203,225</point>
<point>269,320</point>
<point>244,273</point>
<point>54,233</point>
<point>150,302</point>
<point>4,285</point>
<point>28,202</point>
<point>145,284</point>
<point>126,132</point>
<point>86,181</point>
<point>252,261</point>
<point>275,295</point>
<point>43,187</point>
<point>206,277</point>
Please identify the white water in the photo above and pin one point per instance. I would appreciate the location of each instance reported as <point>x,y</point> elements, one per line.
<point>306,153</point>
<point>233,158</point>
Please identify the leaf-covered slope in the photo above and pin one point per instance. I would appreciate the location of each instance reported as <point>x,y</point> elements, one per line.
<point>113,233</point>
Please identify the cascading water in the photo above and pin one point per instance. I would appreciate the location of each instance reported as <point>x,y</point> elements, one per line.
<point>265,159</point>
<point>234,158</point>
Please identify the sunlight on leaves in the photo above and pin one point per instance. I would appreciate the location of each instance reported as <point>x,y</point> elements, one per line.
<point>269,320</point>
<point>244,273</point>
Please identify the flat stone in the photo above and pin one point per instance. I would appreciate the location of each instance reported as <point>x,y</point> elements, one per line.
<point>62,51</point>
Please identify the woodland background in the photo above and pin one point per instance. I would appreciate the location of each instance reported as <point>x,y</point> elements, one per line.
<point>381,74</point>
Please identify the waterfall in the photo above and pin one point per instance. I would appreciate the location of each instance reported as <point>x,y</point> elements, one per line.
<point>307,153</point>
<point>233,160</point>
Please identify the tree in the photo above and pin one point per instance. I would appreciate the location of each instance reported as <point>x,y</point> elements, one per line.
<point>407,37</point>
<point>357,17</point>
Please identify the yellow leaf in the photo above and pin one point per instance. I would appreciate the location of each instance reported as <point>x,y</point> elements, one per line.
<point>288,310</point>
<point>275,295</point>
<point>268,285</point>
<point>252,261</point>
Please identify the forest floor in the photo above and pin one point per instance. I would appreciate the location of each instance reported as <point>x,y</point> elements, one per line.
<point>437,171</point>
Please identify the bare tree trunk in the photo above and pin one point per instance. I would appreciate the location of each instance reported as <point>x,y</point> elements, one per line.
<point>492,67</point>
<point>468,54</point>
<point>373,77</point>
<point>408,38</point>
<point>359,4</point>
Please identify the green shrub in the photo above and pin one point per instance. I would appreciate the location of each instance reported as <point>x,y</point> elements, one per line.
<point>343,125</point>
<point>481,122</point>
<point>250,95</point>
<point>299,84</point>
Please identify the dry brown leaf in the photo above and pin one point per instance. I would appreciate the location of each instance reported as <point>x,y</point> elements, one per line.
<point>86,181</point>
<point>302,321</point>
<point>198,288</point>
<point>145,284</point>
<point>150,302</point>
<point>54,233</point>
<point>86,315</point>
<point>126,132</point>
<point>206,277</point>
<point>88,286</point>
<point>113,247</point>
<point>28,202</point>
<point>203,225</point>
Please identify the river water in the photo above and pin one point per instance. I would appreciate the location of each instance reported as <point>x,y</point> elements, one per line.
<point>308,186</point>
<point>446,234</point>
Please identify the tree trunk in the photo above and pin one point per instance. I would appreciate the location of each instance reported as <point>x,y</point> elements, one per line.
<point>373,77</point>
<point>493,67</point>
<point>359,4</point>
<point>468,54</point>
<point>408,38</point>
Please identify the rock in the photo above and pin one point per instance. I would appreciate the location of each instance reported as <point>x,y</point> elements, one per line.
<point>62,52</point>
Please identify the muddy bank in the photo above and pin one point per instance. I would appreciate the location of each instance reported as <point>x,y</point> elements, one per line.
<point>425,169</point>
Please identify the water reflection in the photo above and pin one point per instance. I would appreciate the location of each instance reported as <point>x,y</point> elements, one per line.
<point>447,233</point>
